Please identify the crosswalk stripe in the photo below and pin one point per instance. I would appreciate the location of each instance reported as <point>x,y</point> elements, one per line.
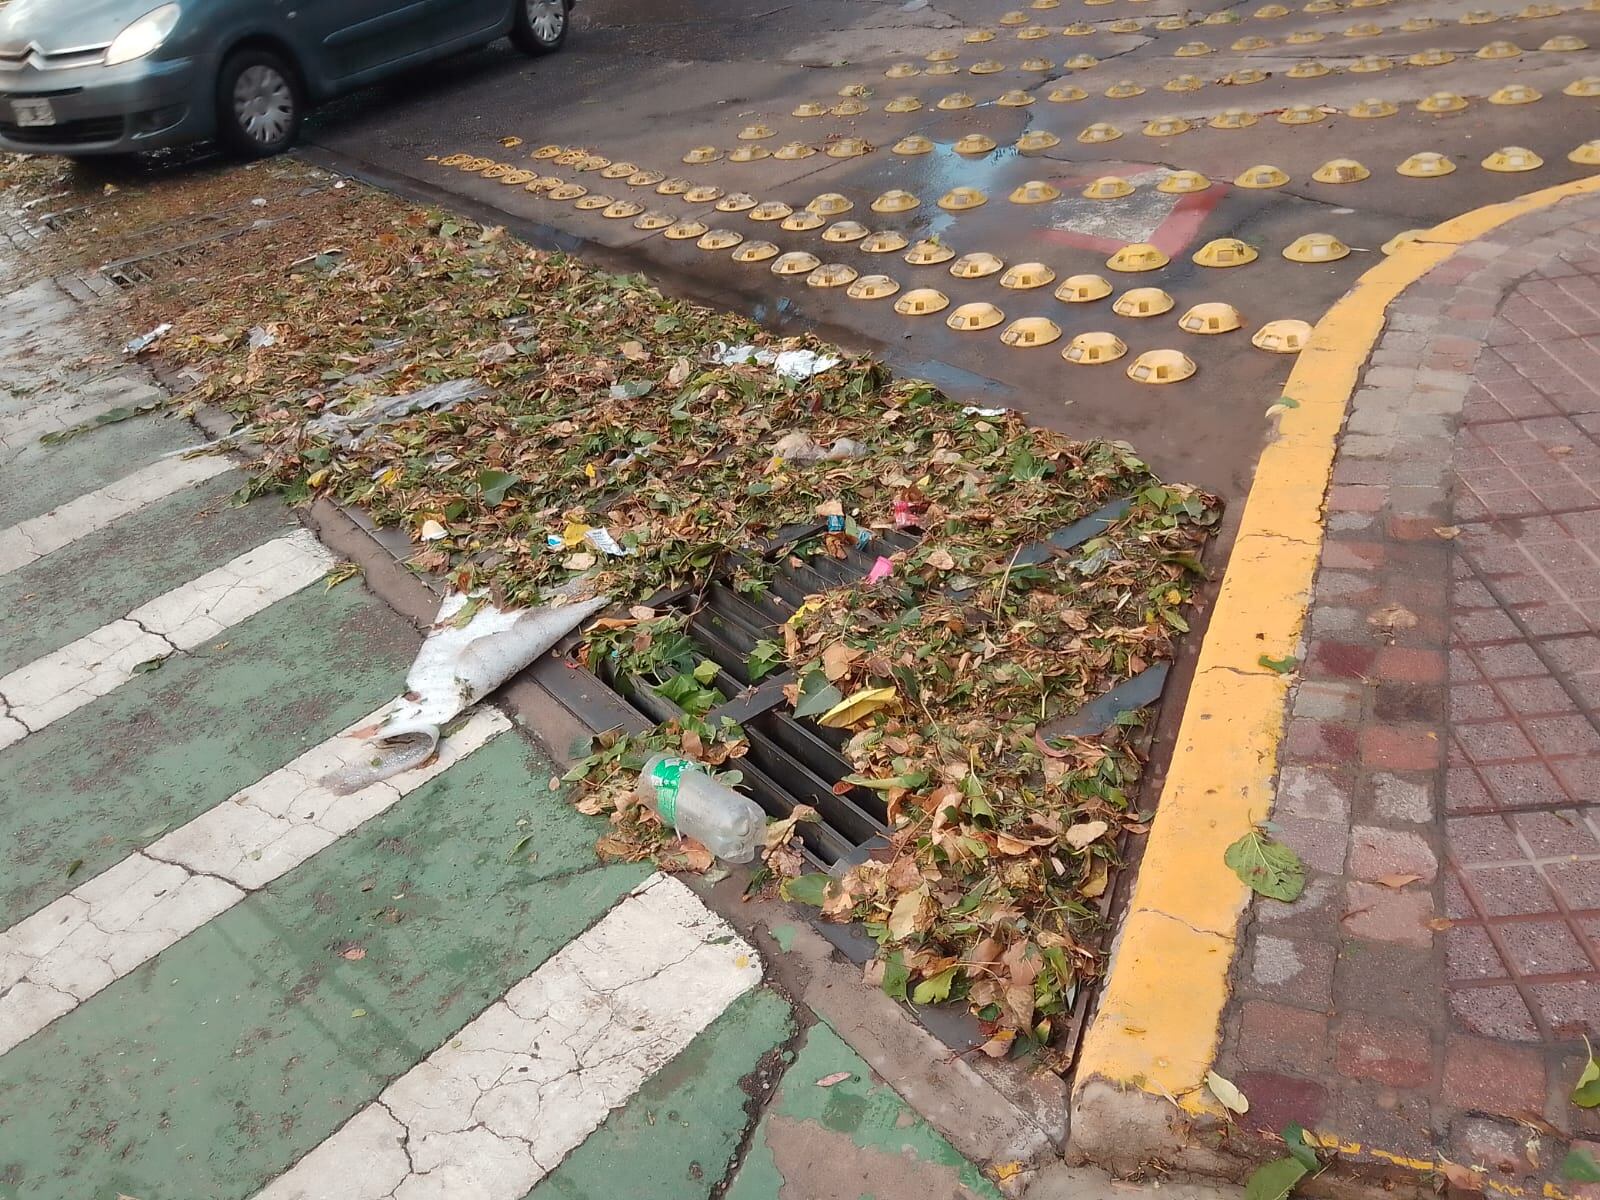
<point>497,1107</point>
<point>80,944</point>
<point>83,402</point>
<point>30,540</point>
<point>34,695</point>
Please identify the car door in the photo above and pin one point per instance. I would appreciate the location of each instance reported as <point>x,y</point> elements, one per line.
<point>455,19</point>
<point>355,37</point>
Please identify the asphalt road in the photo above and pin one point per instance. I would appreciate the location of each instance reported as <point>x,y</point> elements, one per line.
<point>647,82</point>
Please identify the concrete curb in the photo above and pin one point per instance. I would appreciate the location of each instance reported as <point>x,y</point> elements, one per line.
<point>1140,1093</point>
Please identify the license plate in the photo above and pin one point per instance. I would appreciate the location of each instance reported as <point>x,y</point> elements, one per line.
<point>33,112</point>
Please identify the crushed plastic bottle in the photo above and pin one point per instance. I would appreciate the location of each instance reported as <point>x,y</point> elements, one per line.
<point>684,796</point>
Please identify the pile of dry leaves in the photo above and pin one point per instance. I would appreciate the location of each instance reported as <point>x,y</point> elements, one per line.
<point>608,444</point>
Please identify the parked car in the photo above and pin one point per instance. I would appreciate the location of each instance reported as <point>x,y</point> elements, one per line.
<point>96,77</point>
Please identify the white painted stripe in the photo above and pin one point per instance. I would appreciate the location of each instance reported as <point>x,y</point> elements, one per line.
<point>84,402</point>
<point>30,540</point>
<point>106,927</point>
<point>498,1106</point>
<point>64,681</point>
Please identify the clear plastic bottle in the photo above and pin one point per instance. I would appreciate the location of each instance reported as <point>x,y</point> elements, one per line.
<point>684,796</point>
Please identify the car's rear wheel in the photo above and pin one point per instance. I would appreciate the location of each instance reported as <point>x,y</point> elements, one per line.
<point>540,26</point>
<point>259,103</point>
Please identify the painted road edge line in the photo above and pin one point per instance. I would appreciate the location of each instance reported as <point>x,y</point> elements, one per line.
<point>63,681</point>
<point>499,1105</point>
<point>1157,1027</point>
<point>108,926</point>
<point>29,541</point>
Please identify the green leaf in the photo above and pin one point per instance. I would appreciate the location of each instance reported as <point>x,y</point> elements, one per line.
<point>706,671</point>
<point>896,975</point>
<point>1579,1167</point>
<point>1294,1137</point>
<point>149,664</point>
<point>1228,1092</point>
<point>1281,665</point>
<point>817,695</point>
<point>1586,1092</point>
<point>806,889</point>
<point>765,658</point>
<point>935,988</point>
<point>1275,1180</point>
<point>74,867</point>
<point>521,845</point>
<point>495,484</point>
<point>1267,866</point>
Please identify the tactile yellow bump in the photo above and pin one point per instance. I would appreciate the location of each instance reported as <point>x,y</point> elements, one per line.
<point>1108,187</point>
<point>1494,50</point>
<point>1223,17</point>
<point>960,199</point>
<point>1341,170</point>
<point>854,90</point>
<point>1027,332</point>
<point>955,101</point>
<point>704,193</point>
<point>645,178</point>
<point>752,252</point>
<point>1166,127</point>
<point>571,158</point>
<point>793,151</point>
<point>652,221</point>
<point>1036,65</point>
<point>1098,132</point>
<point>1014,18</point>
<point>1371,64</point>
<point>1252,42</point>
<point>1066,94</point>
<point>1310,69</point>
<point>803,222</point>
<point>845,231</point>
<point>941,56</point>
<point>902,70</point>
<point>1173,23</point>
<point>1233,118</point>
<point>1183,83</point>
<point>796,262</point>
<point>1535,12</point>
<point>1372,108</point>
<point>1031,33</point>
<point>829,204</point>
<point>1078,29</point>
<point>831,275</point>
<point>518,178</point>
<point>895,200</point>
<point>1363,29</point>
<point>849,108</point>
<point>1564,42</point>
<point>1271,12</point>
<point>1586,88</point>
<point>619,170</point>
<point>987,66</point>
<point>754,133</point>
<point>1587,155</point>
<point>1035,191</point>
<point>544,152</point>
<point>929,253</point>
<point>1081,62</point>
<point>1426,165</point>
<point>885,241</point>
<point>913,143</point>
<point>1322,6</point>
<point>1035,140</point>
<point>1082,289</point>
<point>872,287</point>
<point>1191,50</point>
<point>1478,16</point>
<point>1244,76</point>
<point>748,154</point>
<point>1305,37</point>
<point>1142,302</point>
<point>847,148</point>
<point>973,143</point>
<point>567,191</point>
<point>1418,24</point>
<point>702,154</point>
<point>1043,5</point>
<point>1514,93</point>
<point>1088,349</point>
<point>685,231</point>
<point>1181,183</point>
<point>1263,175</point>
<point>770,210</point>
<point>1024,276</point>
<point>976,37</point>
<point>1161,366</point>
<point>1512,159</point>
<point>1403,238</point>
<point>943,68</point>
<point>977,265</point>
<point>1301,114</point>
<point>1136,257</point>
<point>719,239</point>
<point>619,210</point>
<point>1211,316</point>
<point>808,109</point>
<point>1225,252</point>
<point>1441,102</point>
<point>970,318</point>
<point>1015,98</point>
<point>1432,57</point>
<point>1125,25</point>
<point>673,187</point>
<point>1315,248</point>
<point>1283,336</point>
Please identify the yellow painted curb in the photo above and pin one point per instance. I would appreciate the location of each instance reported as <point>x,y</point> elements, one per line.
<point>1159,1020</point>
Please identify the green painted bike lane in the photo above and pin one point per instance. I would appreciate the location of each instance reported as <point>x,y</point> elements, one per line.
<point>85,791</point>
<point>44,477</point>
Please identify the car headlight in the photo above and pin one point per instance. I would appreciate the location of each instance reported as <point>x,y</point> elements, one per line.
<point>144,35</point>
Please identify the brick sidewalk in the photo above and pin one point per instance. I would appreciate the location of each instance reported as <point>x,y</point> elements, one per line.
<point>1426,998</point>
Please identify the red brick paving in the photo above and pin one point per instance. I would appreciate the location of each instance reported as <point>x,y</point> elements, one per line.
<point>1440,772</point>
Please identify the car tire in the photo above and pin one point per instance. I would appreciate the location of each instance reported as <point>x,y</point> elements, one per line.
<point>540,26</point>
<point>260,102</point>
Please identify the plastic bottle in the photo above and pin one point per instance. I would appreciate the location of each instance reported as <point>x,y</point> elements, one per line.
<point>684,796</point>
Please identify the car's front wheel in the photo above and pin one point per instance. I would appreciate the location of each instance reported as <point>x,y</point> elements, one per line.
<point>259,104</point>
<point>540,26</point>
